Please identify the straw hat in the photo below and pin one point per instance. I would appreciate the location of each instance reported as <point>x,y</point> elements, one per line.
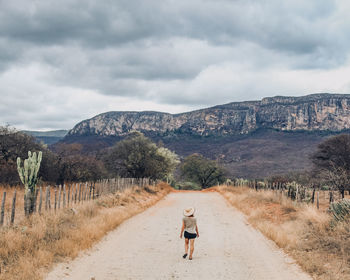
<point>189,211</point>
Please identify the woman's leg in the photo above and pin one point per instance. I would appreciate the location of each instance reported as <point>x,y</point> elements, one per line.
<point>192,248</point>
<point>186,245</point>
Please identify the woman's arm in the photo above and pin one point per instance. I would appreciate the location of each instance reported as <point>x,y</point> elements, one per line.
<point>182,228</point>
<point>197,231</point>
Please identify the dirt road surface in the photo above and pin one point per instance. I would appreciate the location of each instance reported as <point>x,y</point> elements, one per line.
<point>148,246</point>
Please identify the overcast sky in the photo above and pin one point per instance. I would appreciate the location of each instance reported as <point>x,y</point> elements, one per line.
<point>65,61</point>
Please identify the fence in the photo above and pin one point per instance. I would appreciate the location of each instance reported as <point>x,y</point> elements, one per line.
<point>53,198</point>
<point>294,191</point>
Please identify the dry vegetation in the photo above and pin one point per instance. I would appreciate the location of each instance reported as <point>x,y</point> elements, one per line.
<point>19,214</point>
<point>29,249</point>
<point>317,243</point>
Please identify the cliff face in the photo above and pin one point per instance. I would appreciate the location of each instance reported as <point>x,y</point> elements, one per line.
<point>313,112</point>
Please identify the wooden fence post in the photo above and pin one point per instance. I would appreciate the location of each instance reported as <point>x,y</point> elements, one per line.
<point>102,187</point>
<point>75,193</point>
<point>35,205</point>
<point>79,192</point>
<point>35,199</point>
<point>72,199</point>
<point>47,198</point>
<point>318,200</point>
<point>25,204</point>
<point>330,197</point>
<point>59,196</point>
<point>40,199</point>
<point>68,196</point>
<point>13,207</point>
<point>2,209</point>
<point>64,196</point>
<point>55,199</point>
<point>313,196</point>
<point>49,201</point>
<point>84,192</point>
<point>297,193</point>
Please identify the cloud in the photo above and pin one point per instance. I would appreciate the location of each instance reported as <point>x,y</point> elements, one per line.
<point>64,61</point>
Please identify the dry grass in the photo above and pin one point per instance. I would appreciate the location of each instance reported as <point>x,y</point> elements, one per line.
<point>30,248</point>
<point>19,213</point>
<point>320,246</point>
<point>19,202</point>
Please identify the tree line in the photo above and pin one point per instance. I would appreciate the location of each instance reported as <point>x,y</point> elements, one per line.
<point>329,169</point>
<point>136,156</point>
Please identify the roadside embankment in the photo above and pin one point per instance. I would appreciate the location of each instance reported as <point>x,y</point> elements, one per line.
<point>320,245</point>
<point>31,247</point>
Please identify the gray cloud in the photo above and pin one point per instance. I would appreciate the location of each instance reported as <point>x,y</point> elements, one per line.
<point>156,54</point>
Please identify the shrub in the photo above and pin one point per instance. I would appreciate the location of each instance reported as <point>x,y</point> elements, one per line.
<point>341,210</point>
<point>204,172</point>
<point>187,186</point>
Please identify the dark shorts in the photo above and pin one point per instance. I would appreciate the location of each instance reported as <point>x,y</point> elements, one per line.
<point>190,235</point>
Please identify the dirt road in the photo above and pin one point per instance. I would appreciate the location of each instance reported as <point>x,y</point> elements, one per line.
<point>148,247</point>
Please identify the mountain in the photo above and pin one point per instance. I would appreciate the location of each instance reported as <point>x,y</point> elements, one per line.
<point>48,137</point>
<point>312,112</point>
<point>252,139</point>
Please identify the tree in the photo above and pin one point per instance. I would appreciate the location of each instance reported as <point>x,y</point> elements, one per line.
<point>73,166</point>
<point>169,161</point>
<point>138,157</point>
<point>66,163</point>
<point>15,144</point>
<point>203,171</point>
<point>332,162</point>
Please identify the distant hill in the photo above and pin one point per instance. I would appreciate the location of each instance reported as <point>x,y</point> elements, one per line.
<point>322,112</point>
<point>48,137</point>
<point>252,139</point>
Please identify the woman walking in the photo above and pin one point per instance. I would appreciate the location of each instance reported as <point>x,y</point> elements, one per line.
<point>190,230</point>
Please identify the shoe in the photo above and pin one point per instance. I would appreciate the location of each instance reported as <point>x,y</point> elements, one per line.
<point>190,258</point>
<point>184,256</point>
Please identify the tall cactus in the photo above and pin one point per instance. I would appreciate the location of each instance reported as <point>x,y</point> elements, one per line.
<point>28,173</point>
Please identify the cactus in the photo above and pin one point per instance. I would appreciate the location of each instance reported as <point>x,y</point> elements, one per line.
<point>293,189</point>
<point>28,173</point>
<point>341,210</point>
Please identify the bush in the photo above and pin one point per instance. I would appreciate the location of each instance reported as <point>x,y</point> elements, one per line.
<point>187,186</point>
<point>204,172</point>
<point>341,210</point>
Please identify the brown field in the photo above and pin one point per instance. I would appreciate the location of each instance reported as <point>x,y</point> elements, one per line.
<point>310,236</point>
<point>30,247</point>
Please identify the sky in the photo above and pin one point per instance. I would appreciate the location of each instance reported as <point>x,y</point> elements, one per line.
<point>65,61</point>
